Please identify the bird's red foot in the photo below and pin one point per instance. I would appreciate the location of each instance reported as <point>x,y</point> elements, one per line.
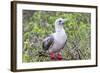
<point>59,56</point>
<point>52,56</point>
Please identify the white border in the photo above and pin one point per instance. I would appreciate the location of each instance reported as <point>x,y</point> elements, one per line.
<point>21,65</point>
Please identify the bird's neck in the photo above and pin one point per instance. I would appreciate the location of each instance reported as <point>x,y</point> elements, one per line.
<point>59,29</point>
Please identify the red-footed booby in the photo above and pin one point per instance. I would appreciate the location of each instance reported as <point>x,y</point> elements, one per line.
<point>54,43</point>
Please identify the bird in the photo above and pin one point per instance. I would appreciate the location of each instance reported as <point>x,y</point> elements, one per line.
<point>55,42</point>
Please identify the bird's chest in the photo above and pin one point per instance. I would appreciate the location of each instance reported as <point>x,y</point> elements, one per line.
<point>59,41</point>
<point>60,38</point>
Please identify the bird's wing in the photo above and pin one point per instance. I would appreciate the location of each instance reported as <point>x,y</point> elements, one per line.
<point>48,42</point>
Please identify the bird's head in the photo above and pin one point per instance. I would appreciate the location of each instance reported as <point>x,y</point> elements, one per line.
<point>60,21</point>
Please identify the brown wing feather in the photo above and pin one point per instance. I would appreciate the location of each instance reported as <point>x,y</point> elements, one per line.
<point>47,42</point>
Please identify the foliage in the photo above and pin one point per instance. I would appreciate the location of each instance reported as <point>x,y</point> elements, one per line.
<point>39,24</point>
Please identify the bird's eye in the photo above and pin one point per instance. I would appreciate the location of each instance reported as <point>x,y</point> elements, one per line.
<point>59,20</point>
